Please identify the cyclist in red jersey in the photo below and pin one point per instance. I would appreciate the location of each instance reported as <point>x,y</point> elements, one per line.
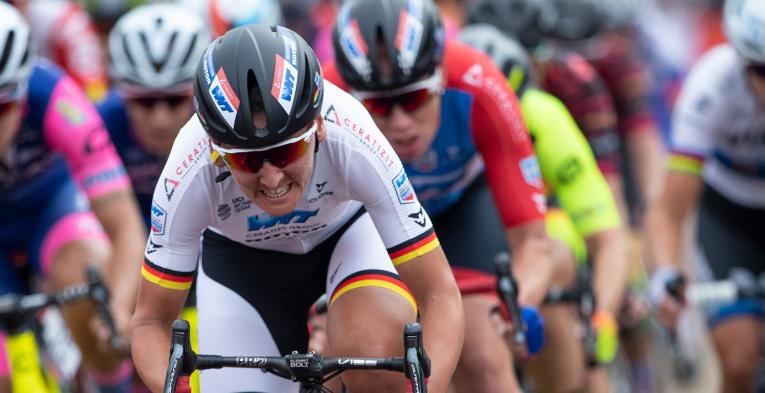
<point>452,118</point>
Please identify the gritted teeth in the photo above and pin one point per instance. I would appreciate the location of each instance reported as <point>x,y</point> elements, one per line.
<point>277,192</point>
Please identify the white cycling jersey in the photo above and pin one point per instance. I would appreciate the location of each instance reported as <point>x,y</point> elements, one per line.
<point>719,121</point>
<point>354,167</point>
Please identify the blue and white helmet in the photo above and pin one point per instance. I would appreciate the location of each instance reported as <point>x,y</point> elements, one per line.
<point>15,52</point>
<point>156,47</point>
<point>744,22</point>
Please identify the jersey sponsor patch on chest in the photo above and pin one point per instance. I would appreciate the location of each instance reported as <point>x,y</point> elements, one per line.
<point>263,227</point>
<point>403,187</point>
<point>530,171</point>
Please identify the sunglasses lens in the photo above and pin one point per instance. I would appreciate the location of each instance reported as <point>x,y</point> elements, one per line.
<point>758,69</point>
<point>7,106</point>
<point>150,101</point>
<point>414,100</point>
<point>379,106</point>
<point>411,101</point>
<point>279,157</point>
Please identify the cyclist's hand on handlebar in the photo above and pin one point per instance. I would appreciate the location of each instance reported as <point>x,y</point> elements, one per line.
<point>121,316</point>
<point>606,336</point>
<point>535,333</point>
<point>667,305</point>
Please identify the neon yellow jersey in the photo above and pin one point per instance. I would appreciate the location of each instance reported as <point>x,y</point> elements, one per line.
<point>568,167</point>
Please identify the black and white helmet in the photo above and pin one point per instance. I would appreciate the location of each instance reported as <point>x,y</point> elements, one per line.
<point>257,68</point>
<point>506,52</point>
<point>15,52</point>
<point>744,22</point>
<point>156,47</point>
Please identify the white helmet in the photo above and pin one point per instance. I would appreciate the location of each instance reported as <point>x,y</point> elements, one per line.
<point>227,14</point>
<point>744,22</point>
<point>506,52</point>
<point>15,52</point>
<point>156,47</point>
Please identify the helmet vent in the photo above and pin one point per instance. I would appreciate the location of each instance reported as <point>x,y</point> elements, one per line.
<point>192,45</point>
<point>128,55</point>
<point>7,50</point>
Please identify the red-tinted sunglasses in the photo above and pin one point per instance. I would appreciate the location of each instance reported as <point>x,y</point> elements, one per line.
<point>410,98</point>
<point>149,102</point>
<point>757,69</point>
<point>280,155</point>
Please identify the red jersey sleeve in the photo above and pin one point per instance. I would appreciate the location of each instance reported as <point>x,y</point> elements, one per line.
<point>500,135</point>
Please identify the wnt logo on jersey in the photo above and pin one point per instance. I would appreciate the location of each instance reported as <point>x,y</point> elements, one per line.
<point>158,219</point>
<point>403,188</point>
<point>226,101</point>
<point>283,87</point>
<point>263,221</point>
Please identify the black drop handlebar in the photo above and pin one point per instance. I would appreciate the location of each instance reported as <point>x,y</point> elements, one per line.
<point>311,370</point>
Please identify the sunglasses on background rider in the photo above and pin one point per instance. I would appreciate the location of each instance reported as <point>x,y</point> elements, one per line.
<point>757,69</point>
<point>410,97</point>
<point>149,102</point>
<point>279,155</point>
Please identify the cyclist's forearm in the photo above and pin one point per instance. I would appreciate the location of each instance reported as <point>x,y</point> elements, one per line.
<point>119,216</point>
<point>532,264</point>
<point>646,147</point>
<point>610,268</point>
<point>663,233</point>
<point>442,323</point>
<point>150,346</point>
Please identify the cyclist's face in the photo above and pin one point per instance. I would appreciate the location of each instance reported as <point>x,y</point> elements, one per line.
<point>411,133</point>
<point>156,120</point>
<point>278,190</point>
<point>10,121</point>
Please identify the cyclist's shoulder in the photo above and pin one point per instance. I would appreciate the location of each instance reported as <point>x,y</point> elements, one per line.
<point>467,68</point>
<point>716,75</point>
<point>350,127</point>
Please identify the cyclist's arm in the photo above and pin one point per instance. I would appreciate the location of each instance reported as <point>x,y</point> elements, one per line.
<point>696,112</point>
<point>430,280</point>
<point>172,252</point>
<point>73,127</point>
<point>151,327</point>
<point>514,178</point>
<point>569,168</point>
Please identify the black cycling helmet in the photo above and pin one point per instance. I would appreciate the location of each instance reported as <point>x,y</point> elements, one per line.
<point>506,52</point>
<point>522,19</point>
<point>257,66</point>
<point>574,19</point>
<point>409,32</point>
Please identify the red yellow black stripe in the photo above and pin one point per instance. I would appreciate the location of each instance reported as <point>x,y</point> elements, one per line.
<point>166,278</point>
<point>413,248</point>
<point>374,278</point>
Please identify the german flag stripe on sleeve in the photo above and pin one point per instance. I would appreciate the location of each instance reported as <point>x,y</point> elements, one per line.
<point>685,162</point>
<point>166,278</point>
<point>413,248</point>
<point>374,278</point>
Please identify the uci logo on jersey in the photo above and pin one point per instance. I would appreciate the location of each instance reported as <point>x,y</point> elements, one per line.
<point>264,221</point>
<point>225,100</point>
<point>283,87</point>
<point>403,188</point>
<point>158,219</point>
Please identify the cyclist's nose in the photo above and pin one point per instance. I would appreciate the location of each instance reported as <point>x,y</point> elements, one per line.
<point>270,176</point>
<point>399,119</point>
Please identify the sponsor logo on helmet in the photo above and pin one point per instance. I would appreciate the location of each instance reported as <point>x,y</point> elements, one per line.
<point>208,66</point>
<point>225,100</point>
<point>290,48</point>
<point>403,188</point>
<point>353,45</point>
<point>319,82</point>
<point>408,39</point>
<point>283,86</point>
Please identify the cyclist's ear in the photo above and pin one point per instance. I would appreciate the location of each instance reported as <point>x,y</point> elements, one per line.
<point>321,132</point>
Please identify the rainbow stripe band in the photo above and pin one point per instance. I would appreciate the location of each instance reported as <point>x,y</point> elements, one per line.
<point>686,163</point>
<point>166,278</point>
<point>413,248</point>
<point>378,278</point>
